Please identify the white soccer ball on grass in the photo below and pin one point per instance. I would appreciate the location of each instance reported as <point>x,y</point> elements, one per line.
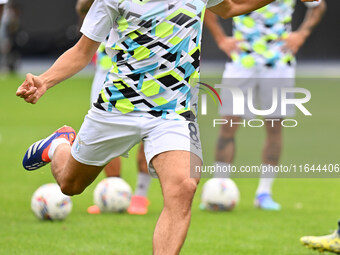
<point>49,203</point>
<point>220,194</point>
<point>112,194</point>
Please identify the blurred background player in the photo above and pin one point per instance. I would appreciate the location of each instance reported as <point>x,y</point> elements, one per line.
<point>2,6</point>
<point>9,28</point>
<point>261,49</point>
<point>329,243</point>
<point>139,202</point>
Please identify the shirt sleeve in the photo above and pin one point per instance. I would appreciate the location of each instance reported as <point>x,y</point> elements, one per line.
<point>100,19</point>
<point>312,4</point>
<point>212,3</point>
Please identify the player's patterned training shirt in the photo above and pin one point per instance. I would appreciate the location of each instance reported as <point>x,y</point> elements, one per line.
<point>262,32</point>
<point>155,51</point>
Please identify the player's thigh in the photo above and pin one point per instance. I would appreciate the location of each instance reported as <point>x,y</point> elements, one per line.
<point>175,170</point>
<point>78,176</point>
<point>177,165</point>
<point>272,81</point>
<point>236,83</point>
<point>172,135</point>
<point>142,164</point>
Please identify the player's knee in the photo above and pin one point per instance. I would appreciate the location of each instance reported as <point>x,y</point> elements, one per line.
<point>186,189</point>
<point>180,196</point>
<point>274,140</point>
<point>70,189</point>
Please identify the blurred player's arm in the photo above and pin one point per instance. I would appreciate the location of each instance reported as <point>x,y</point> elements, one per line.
<point>67,65</point>
<point>312,18</point>
<point>227,44</point>
<point>230,8</point>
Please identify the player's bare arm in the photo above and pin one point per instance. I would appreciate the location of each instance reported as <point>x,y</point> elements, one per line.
<point>227,44</point>
<point>231,8</point>
<point>312,18</point>
<point>67,65</point>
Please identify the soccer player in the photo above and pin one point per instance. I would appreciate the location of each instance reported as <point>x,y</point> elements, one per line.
<point>329,243</point>
<point>2,6</point>
<point>155,49</point>
<point>262,51</point>
<point>139,202</point>
<point>11,24</point>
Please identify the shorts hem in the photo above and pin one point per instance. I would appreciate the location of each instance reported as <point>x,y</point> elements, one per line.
<point>93,163</point>
<point>86,162</point>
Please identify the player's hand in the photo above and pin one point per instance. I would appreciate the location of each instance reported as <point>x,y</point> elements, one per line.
<point>294,42</point>
<point>32,89</point>
<point>229,45</point>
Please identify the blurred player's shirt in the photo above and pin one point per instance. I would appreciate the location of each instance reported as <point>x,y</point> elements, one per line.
<point>155,52</point>
<point>261,33</point>
<point>103,61</point>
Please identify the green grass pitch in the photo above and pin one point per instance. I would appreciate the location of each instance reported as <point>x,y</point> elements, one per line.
<point>310,206</point>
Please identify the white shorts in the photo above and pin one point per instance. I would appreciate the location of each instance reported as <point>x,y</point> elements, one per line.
<point>104,136</point>
<point>261,80</point>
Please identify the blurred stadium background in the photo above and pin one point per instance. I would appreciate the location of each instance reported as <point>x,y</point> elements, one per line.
<point>41,30</point>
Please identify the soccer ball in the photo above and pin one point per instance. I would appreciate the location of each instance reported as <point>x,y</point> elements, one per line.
<point>220,194</point>
<point>49,203</point>
<point>112,194</point>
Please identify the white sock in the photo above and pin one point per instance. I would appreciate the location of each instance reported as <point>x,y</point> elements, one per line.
<point>55,143</point>
<point>143,183</point>
<point>265,183</point>
<point>221,169</point>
